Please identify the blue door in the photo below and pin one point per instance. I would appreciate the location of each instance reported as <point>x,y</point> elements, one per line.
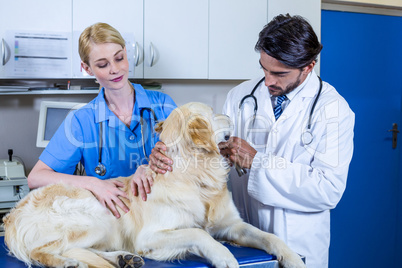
<point>362,59</point>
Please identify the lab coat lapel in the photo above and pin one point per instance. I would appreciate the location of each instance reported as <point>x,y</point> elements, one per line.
<point>298,104</point>
<point>246,117</point>
<point>264,101</point>
<point>264,121</point>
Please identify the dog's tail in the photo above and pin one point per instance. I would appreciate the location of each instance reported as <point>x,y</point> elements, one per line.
<point>88,257</point>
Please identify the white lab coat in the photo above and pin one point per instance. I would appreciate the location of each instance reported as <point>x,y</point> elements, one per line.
<point>291,187</point>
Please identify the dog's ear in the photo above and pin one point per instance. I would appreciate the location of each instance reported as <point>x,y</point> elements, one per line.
<point>159,127</point>
<point>201,134</point>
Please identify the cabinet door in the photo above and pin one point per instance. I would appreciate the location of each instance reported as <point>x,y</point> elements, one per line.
<point>41,16</point>
<point>233,33</point>
<point>124,15</point>
<point>176,39</point>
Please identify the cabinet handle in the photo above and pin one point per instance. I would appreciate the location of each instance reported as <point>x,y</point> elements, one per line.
<point>137,55</point>
<point>152,52</point>
<point>3,52</point>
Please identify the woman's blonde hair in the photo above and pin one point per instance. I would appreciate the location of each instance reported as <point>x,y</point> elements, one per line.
<point>98,33</point>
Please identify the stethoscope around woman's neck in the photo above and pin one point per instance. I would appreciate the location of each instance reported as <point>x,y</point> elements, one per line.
<point>100,169</point>
<point>306,137</point>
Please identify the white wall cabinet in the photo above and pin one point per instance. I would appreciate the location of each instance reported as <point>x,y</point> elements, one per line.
<point>166,39</point>
<point>124,15</point>
<point>234,29</point>
<point>40,15</point>
<point>176,39</point>
<point>233,33</point>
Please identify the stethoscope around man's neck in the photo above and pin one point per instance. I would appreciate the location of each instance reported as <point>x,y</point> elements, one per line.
<point>306,137</point>
<point>100,169</point>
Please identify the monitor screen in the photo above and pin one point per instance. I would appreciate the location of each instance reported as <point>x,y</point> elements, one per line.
<point>51,115</point>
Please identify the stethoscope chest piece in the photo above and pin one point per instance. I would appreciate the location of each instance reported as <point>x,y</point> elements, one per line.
<point>307,137</point>
<point>100,169</point>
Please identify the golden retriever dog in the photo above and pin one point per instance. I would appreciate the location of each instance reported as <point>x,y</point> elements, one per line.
<point>188,211</point>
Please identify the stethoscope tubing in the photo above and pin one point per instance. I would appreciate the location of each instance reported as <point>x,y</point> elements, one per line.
<point>251,95</point>
<point>314,103</point>
<point>307,136</point>
<point>100,169</point>
<point>142,127</point>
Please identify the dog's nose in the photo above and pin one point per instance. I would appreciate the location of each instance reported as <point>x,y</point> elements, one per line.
<point>227,137</point>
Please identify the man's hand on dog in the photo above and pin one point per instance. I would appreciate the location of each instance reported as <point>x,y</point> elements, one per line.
<point>159,162</point>
<point>238,151</point>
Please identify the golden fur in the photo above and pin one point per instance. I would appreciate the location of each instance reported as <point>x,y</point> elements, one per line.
<point>190,207</point>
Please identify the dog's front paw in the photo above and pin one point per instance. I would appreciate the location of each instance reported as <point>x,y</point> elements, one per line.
<point>227,263</point>
<point>130,261</point>
<point>292,260</point>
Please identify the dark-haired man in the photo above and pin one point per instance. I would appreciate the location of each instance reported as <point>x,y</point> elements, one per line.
<point>296,146</point>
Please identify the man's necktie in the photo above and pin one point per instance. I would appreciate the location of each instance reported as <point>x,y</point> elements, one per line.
<point>278,107</point>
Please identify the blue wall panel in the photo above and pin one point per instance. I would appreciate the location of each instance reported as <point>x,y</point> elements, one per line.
<point>362,58</point>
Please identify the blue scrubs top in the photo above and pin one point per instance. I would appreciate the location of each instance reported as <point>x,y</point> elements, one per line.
<point>77,138</point>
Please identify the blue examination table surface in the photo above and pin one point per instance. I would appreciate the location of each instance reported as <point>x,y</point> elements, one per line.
<point>247,257</point>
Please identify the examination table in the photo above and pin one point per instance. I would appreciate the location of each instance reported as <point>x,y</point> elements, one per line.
<point>247,257</point>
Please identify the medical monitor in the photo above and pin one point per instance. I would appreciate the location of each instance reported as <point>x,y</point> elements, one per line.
<point>51,115</point>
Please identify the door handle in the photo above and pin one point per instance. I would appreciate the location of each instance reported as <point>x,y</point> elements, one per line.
<point>395,132</point>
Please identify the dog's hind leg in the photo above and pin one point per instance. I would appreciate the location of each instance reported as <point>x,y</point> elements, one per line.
<point>122,259</point>
<point>46,255</point>
<point>89,258</point>
<point>175,244</point>
<point>247,235</point>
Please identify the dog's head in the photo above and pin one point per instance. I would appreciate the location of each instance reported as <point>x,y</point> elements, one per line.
<point>194,126</point>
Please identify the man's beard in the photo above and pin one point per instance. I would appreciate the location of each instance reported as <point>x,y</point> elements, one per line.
<point>289,88</point>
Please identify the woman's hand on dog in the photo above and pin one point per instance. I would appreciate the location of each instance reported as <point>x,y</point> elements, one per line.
<point>141,182</point>
<point>238,151</point>
<point>159,162</point>
<point>108,192</point>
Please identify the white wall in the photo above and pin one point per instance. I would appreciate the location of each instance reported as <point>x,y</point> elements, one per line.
<point>19,113</point>
<point>212,93</point>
